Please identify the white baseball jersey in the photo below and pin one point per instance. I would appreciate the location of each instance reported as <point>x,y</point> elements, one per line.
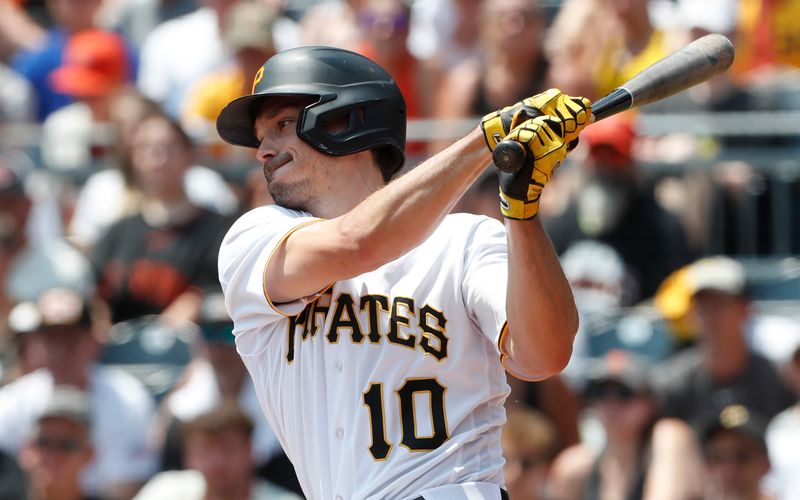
<point>387,385</point>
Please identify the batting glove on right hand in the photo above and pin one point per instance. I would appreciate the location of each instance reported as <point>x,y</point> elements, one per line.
<point>574,112</point>
<point>520,191</point>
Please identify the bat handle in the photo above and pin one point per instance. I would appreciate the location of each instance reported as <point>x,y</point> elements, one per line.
<point>509,156</point>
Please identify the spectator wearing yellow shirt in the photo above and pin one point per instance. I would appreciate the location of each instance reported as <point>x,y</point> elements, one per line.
<point>638,44</point>
<point>248,35</point>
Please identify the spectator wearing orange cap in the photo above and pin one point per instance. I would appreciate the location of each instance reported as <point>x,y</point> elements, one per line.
<point>96,66</point>
<point>615,204</point>
<point>39,51</point>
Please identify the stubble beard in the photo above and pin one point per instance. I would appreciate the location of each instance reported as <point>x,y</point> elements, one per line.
<point>293,196</point>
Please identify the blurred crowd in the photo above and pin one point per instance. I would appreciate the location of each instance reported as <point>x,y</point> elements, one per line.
<point>678,226</point>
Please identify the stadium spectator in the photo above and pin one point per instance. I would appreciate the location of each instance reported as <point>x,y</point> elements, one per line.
<point>136,19</point>
<point>121,407</point>
<point>60,447</point>
<point>511,36</point>
<point>619,392</point>
<point>247,32</point>
<point>215,375</point>
<point>529,443</point>
<point>635,45</point>
<point>317,21</point>
<point>109,195</point>
<point>95,67</point>
<point>615,204</point>
<point>602,286</point>
<point>166,71</point>
<point>161,259</point>
<point>634,453</point>
<point>724,92</point>
<point>218,456</point>
<point>15,207</point>
<point>166,74</point>
<point>44,53</point>
<point>573,44</point>
<point>442,32</point>
<point>33,257</point>
<point>735,454</point>
<point>721,369</point>
<point>384,25</point>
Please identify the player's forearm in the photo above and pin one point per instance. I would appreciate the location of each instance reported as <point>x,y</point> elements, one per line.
<point>541,313</point>
<point>403,214</point>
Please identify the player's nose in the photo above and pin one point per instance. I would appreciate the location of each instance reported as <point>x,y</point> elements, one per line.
<point>266,150</point>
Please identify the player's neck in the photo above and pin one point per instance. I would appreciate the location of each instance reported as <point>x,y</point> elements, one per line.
<point>346,188</point>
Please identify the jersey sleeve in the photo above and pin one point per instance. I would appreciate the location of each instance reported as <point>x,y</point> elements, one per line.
<point>243,258</point>
<point>485,277</point>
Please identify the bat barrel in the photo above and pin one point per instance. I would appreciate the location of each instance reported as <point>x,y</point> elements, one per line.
<point>698,61</point>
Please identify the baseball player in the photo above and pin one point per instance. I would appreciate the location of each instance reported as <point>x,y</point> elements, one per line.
<point>375,326</point>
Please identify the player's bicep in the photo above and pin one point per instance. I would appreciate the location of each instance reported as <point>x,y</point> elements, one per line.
<point>243,258</point>
<point>308,260</point>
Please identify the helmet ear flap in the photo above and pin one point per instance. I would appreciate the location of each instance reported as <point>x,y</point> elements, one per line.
<point>389,161</point>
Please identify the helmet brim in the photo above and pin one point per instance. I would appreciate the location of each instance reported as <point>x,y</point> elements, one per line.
<point>236,121</point>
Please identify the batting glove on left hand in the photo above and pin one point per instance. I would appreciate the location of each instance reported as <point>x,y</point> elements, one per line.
<point>520,192</point>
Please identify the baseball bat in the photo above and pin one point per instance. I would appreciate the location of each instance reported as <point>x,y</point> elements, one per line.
<point>688,66</point>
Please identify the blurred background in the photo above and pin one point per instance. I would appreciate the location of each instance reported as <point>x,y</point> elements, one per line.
<point>678,226</point>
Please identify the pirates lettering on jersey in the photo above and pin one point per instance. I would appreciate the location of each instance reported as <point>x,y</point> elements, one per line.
<point>398,320</point>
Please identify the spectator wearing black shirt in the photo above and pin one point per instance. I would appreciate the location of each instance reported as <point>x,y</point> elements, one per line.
<point>720,370</point>
<point>161,259</point>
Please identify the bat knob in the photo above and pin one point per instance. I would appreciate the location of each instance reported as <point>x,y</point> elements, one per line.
<point>509,156</point>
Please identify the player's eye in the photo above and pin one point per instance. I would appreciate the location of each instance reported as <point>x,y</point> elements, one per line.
<point>285,122</point>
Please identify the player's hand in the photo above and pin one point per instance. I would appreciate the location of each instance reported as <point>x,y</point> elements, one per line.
<point>574,112</point>
<point>542,138</point>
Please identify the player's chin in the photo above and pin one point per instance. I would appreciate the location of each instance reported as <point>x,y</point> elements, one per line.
<point>294,196</point>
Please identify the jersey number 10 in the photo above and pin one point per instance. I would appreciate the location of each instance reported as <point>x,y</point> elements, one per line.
<point>373,399</point>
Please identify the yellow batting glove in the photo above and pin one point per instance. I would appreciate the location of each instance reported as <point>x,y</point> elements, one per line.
<point>521,191</point>
<point>574,112</point>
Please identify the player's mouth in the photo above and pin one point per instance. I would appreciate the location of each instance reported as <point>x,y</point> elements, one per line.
<point>276,162</point>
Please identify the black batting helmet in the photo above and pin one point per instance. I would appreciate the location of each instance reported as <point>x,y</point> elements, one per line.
<point>346,84</point>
